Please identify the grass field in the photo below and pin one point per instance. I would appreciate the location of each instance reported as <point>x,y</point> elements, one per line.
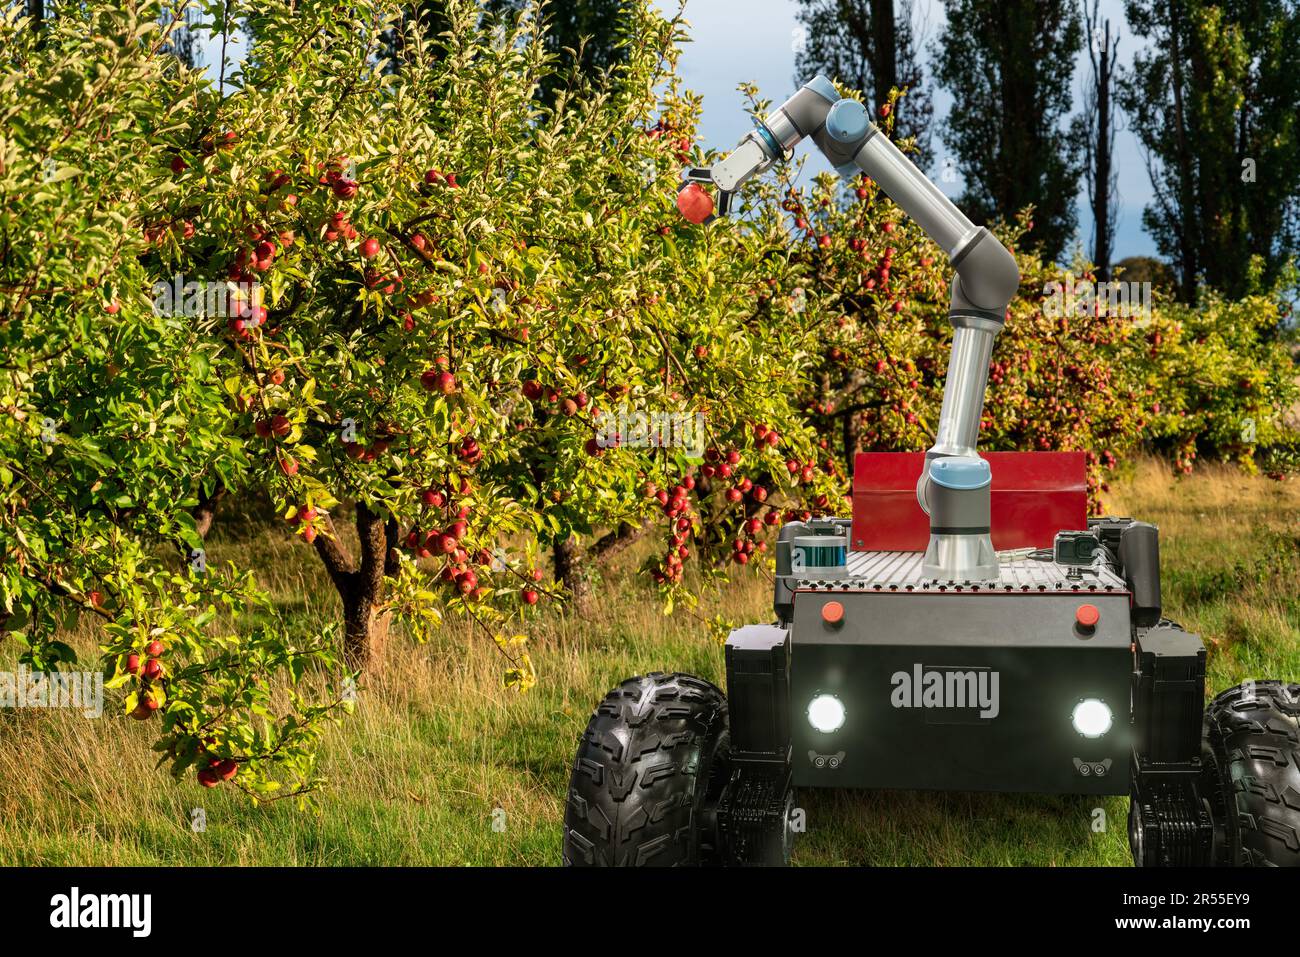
<point>437,752</point>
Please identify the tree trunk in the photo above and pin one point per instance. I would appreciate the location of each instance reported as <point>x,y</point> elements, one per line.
<point>884,60</point>
<point>206,511</point>
<point>365,631</point>
<point>571,572</point>
<point>1101,211</point>
<point>360,585</point>
<point>1186,201</point>
<point>36,12</point>
<point>611,543</point>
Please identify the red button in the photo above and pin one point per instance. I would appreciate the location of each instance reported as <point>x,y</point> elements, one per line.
<point>832,613</point>
<point>1087,616</point>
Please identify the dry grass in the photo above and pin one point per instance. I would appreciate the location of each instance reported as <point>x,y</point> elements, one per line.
<point>1230,557</point>
<point>438,750</point>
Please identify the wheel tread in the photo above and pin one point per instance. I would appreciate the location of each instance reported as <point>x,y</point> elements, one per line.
<point>1254,732</point>
<point>633,788</point>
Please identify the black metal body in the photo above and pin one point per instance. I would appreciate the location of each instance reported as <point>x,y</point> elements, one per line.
<point>904,666</point>
<point>973,689</point>
<point>753,814</point>
<point>1171,822</point>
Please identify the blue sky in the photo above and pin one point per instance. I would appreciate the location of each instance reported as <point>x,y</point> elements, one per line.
<point>735,41</point>
<point>751,40</point>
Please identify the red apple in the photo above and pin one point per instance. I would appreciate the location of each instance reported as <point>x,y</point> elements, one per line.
<point>530,596</point>
<point>694,203</point>
<point>133,663</point>
<point>370,248</point>
<point>441,381</point>
<point>153,669</point>
<point>154,648</point>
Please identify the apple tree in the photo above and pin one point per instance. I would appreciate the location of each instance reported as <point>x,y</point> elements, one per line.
<point>458,291</point>
<point>110,417</point>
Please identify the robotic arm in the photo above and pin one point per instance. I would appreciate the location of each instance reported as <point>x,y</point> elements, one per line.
<point>954,486</point>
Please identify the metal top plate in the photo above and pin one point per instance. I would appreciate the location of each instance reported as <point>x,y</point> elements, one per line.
<point>901,571</point>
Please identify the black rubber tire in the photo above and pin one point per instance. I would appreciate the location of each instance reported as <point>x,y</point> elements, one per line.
<point>1253,733</point>
<point>653,755</point>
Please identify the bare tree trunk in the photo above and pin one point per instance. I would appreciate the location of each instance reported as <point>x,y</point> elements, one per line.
<point>360,585</point>
<point>884,63</point>
<point>1101,210</point>
<point>611,543</point>
<point>571,572</point>
<point>1186,200</point>
<point>36,12</point>
<point>365,632</point>
<point>1103,50</point>
<point>206,511</point>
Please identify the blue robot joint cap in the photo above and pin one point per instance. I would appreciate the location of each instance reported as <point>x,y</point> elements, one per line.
<point>960,472</point>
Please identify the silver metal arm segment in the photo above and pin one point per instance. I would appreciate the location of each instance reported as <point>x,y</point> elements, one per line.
<point>986,279</point>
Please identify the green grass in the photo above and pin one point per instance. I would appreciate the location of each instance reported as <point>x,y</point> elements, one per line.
<point>437,747</point>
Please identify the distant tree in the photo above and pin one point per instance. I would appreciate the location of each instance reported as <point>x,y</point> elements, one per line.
<point>1009,65</point>
<point>432,17</point>
<point>1099,142</point>
<point>871,46</point>
<point>1215,100</point>
<point>1146,269</point>
<point>180,38</point>
<point>38,15</point>
<point>587,33</point>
